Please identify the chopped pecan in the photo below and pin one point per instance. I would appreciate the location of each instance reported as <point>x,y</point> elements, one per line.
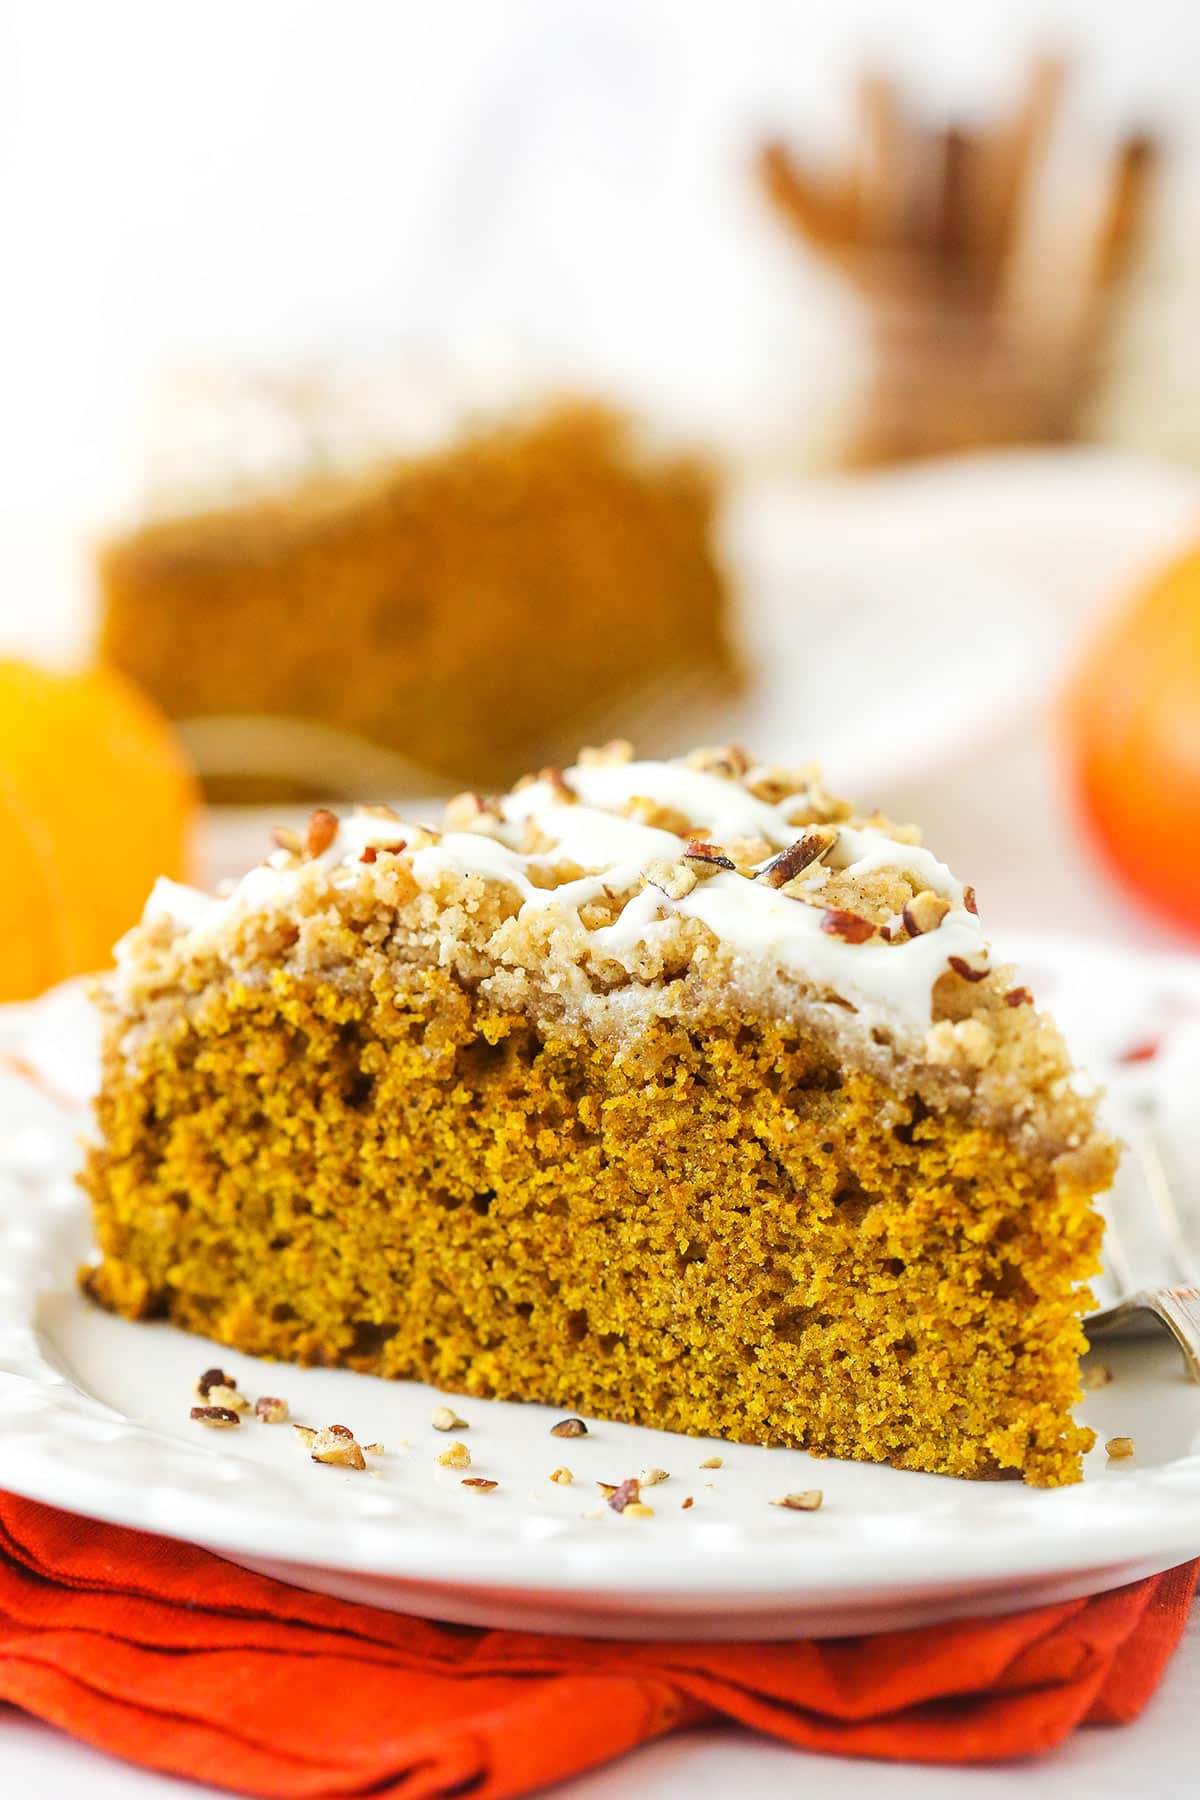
<point>846,925</point>
<point>338,1447</point>
<point>969,900</point>
<point>731,761</point>
<point>708,857</point>
<point>617,750</point>
<point>455,1456</point>
<point>797,857</point>
<point>204,1384</point>
<point>1018,996</point>
<point>626,1493</point>
<point>479,1483</point>
<point>674,879</point>
<point>809,1500</point>
<point>322,829</point>
<point>969,971</point>
<point>748,853</point>
<point>220,1389</point>
<point>271,1409</point>
<point>554,778</point>
<point>218,1417</point>
<point>466,811</point>
<point>685,1504</point>
<point>569,1428</point>
<point>775,785</point>
<point>924,912</point>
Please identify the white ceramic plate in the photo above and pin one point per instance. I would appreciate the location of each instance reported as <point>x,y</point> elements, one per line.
<point>94,1415</point>
<point>1006,553</point>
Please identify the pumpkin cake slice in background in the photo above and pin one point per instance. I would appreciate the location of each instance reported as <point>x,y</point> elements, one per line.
<point>390,581</point>
<point>669,1092</point>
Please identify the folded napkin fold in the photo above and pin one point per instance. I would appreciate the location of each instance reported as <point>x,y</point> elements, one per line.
<point>171,1657</point>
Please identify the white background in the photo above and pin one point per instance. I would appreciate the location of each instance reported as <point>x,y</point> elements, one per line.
<point>261,181</point>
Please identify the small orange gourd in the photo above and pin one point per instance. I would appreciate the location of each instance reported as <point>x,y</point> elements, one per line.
<point>1131,719</point>
<point>96,800</point>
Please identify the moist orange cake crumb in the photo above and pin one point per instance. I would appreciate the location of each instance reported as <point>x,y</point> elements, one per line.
<point>668,1092</point>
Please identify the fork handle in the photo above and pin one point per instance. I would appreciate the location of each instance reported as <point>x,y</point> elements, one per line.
<point>1179,1310</point>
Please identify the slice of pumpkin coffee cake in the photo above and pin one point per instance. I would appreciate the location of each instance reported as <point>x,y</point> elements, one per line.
<point>672,1092</point>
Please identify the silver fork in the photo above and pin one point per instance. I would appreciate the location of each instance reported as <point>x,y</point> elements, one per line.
<point>1151,1246</point>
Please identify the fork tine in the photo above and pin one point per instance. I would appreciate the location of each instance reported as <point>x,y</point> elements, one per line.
<point>1117,1272</point>
<point>1148,1147</point>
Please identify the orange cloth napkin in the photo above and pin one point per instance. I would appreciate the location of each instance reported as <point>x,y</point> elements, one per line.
<point>173,1658</point>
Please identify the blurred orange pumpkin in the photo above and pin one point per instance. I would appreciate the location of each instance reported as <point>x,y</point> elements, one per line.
<point>1132,731</point>
<point>96,800</point>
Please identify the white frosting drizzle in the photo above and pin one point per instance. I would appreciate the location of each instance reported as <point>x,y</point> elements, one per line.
<point>889,983</point>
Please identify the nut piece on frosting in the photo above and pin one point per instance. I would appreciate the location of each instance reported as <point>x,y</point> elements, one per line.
<point>472,812</point>
<point>797,857</point>
<point>707,859</point>
<point>731,761</point>
<point>925,912</point>
<point>617,750</point>
<point>674,879</point>
<point>557,781</point>
<point>322,829</point>
<point>850,927</point>
<point>970,968</point>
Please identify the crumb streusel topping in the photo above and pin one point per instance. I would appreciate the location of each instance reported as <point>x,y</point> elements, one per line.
<point>778,872</point>
<point>615,892</point>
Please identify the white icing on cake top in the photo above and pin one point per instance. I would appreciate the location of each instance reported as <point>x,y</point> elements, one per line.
<point>890,983</point>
